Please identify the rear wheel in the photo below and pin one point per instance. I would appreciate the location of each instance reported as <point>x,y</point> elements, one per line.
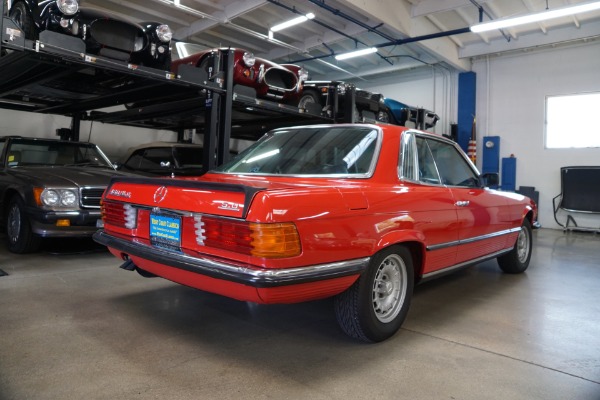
<point>374,308</point>
<point>517,260</point>
<point>24,20</point>
<point>18,229</point>
<point>308,97</point>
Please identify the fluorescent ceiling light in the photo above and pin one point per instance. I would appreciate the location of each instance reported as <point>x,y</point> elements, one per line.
<point>292,22</point>
<point>356,53</point>
<point>177,2</point>
<point>536,17</point>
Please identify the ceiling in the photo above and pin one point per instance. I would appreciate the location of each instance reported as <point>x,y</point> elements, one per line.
<point>345,25</point>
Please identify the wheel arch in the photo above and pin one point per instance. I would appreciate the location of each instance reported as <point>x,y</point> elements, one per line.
<point>414,241</point>
<point>6,196</point>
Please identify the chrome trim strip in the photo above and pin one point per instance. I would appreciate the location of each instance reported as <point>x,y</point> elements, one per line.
<point>465,264</point>
<point>473,239</point>
<point>238,273</point>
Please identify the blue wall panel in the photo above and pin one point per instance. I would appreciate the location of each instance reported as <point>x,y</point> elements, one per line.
<point>466,107</point>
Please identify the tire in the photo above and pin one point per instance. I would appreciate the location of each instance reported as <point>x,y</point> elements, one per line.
<point>308,97</point>
<point>24,20</point>
<point>517,260</point>
<point>18,229</point>
<point>384,116</point>
<point>376,305</point>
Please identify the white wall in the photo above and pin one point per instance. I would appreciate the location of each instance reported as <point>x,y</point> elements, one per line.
<point>511,94</point>
<point>114,140</point>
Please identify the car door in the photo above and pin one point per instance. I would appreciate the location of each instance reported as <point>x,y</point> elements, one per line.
<point>482,214</point>
<point>433,206</point>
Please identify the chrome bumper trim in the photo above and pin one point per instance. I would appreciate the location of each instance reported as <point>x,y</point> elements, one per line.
<point>238,273</point>
<point>473,239</point>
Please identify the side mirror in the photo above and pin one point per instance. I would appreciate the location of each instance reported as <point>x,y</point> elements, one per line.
<point>491,179</point>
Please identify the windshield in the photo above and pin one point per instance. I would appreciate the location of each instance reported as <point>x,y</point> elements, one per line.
<point>54,153</point>
<point>331,150</point>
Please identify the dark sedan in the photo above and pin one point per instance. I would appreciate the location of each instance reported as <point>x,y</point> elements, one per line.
<point>105,34</point>
<point>50,188</point>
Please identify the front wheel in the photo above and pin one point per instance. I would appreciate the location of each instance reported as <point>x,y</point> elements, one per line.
<point>18,229</point>
<point>376,305</point>
<point>23,19</point>
<point>517,260</point>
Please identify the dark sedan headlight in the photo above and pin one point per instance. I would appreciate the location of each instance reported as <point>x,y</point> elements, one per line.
<point>68,7</point>
<point>164,33</point>
<point>249,59</point>
<point>58,197</point>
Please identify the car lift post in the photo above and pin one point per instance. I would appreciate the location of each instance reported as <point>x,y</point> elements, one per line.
<point>226,109</point>
<point>1,24</point>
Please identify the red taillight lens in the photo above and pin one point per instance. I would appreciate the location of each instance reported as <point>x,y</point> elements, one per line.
<point>259,240</point>
<point>119,214</point>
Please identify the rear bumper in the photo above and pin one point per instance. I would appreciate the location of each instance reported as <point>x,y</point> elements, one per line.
<point>228,271</point>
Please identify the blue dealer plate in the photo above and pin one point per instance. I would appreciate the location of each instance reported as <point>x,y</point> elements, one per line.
<point>165,231</point>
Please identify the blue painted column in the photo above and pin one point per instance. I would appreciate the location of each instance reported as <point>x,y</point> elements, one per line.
<point>467,87</point>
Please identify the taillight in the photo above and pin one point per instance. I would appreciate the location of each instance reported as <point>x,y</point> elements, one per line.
<point>119,214</point>
<point>259,240</point>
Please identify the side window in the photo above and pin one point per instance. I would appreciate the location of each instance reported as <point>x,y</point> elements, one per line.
<point>452,166</point>
<point>135,160</point>
<point>427,170</point>
<point>407,167</point>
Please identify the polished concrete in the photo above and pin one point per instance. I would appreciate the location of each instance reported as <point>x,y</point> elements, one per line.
<point>74,326</point>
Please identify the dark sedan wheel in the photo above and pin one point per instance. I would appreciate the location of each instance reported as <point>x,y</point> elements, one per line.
<point>23,19</point>
<point>18,230</point>
<point>517,260</point>
<point>374,308</point>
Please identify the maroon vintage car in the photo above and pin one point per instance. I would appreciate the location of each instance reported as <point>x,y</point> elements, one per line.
<point>359,212</point>
<point>281,83</point>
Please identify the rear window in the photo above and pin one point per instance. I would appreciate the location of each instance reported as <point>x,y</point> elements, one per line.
<point>344,150</point>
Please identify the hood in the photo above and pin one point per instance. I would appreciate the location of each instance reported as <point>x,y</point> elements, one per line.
<point>91,14</point>
<point>66,176</point>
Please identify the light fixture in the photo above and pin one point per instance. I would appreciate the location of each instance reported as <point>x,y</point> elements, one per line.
<point>536,17</point>
<point>357,53</point>
<point>177,2</point>
<point>292,22</point>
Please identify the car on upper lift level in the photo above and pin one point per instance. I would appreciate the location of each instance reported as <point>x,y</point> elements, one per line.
<point>50,188</point>
<point>277,82</point>
<point>105,34</point>
<point>353,211</point>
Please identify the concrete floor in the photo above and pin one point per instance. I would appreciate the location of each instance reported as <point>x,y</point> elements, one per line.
<point>74,326</point>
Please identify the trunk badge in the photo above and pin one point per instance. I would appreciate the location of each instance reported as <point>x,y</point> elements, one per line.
<point>160,194</point>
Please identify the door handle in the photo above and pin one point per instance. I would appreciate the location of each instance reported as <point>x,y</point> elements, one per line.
<point>464,203</point>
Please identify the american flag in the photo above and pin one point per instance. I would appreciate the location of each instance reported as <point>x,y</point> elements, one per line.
<point>472,147</point>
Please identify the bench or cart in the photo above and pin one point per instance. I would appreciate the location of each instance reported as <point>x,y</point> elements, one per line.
<point>580,194</point>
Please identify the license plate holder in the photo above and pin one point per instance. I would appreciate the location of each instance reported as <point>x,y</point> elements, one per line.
<point>165,231</point>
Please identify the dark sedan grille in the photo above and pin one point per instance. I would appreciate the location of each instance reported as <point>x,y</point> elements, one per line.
<point>90,197</point>
<point>115,34</point>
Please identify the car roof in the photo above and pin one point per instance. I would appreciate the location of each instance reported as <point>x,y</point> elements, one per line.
<point>165,144</point>
<point>44,139</point>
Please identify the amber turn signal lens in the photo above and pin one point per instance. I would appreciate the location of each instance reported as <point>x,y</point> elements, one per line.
<point>63,222</point>
<point>275,240</point>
